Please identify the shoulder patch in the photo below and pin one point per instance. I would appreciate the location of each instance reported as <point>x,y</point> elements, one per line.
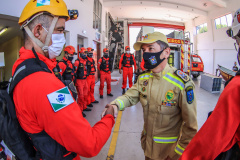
<point>182,75</point>
<point>189,94</point>
<point>60,99</point>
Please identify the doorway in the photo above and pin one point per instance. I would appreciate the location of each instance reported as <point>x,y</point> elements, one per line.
<point>96,57</point>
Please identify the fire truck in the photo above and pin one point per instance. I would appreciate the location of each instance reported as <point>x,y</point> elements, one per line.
<point>181,56</point>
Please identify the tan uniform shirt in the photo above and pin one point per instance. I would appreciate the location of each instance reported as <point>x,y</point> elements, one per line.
<point>169,108</point>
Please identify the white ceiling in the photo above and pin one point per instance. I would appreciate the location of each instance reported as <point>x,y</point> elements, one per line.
<point>168,10</point>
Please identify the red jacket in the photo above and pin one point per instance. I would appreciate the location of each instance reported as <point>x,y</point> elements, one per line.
<point>67,126</point>
<point>127,61</point>
<point>92,63</point>
<point>221,130</point>
<point>107,65</point>
<point>63,66</point>
<point>142,65</point>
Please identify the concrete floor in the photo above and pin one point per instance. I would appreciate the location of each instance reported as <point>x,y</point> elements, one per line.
<point>128,144</point>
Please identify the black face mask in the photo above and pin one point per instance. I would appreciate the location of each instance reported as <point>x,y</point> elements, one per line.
<point>105,55</point>
<point>152,60</point>
<point>70,58</point>
<point>90,55</point>
<point>83,56</point>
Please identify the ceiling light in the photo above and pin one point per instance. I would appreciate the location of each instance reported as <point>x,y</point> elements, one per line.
<point>3,30</point>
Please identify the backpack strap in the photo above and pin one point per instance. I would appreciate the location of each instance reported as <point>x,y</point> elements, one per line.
<point>26,68</point>
<point>65,62</point>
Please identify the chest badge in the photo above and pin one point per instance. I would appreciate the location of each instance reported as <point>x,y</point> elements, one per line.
<point>169,95</point>
<point>143,89</point>
<point>145,83</point>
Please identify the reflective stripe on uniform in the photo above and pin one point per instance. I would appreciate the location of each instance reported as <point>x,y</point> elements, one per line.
<point>165,139</point>
<point>121,104</point>
<point>179,150</point>
<point>146,76</point>
<point>174,80</point>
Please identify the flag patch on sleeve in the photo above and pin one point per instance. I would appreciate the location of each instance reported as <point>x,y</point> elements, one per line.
<point>60,99</point>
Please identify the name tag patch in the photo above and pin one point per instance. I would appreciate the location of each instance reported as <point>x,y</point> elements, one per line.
<point>168,103</point>
<point>60,99</point>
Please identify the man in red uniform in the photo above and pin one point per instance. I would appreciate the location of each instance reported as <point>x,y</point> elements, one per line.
<point>81,79</point>
<point>91,77</point>
<point>127,60</point>
<point>105,67</point>
<point>222,129</point>
<point>42,102</point>
<point>142,65</point>
<point>67,68</point>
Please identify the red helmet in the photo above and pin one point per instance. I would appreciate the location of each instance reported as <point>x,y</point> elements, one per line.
<point>89,49</point>
<point>70,50</point>
<point>127,47</point>
<point>82,50</point>
<point>105,50</point>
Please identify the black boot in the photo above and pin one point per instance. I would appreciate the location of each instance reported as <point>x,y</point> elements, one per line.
<point>95,101</point>
<point>110,94</point>
<point>123,91</point>
<point>90,105</point>
<point>101,96</point>
<point>83,114</point>
<point>87,109</point>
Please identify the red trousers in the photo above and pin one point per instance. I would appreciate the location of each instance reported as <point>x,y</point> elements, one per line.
<point>127,72</point>
<point>91,85</point>
<point>105,77</point>
<point>82,87</point>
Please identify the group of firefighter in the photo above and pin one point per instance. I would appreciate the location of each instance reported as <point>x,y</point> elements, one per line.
<point>81,73</point>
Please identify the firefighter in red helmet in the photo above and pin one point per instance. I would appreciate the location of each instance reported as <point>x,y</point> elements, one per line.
<point>126,62</point>
<point>105,67</point>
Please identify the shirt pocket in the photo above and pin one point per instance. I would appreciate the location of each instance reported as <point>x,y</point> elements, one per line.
<point>164,114</point>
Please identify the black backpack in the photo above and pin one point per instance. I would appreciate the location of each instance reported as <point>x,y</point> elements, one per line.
<point>15,138</point>
<point>11,132</point>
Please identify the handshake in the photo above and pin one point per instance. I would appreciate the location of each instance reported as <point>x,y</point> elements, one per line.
<point>110,109</point>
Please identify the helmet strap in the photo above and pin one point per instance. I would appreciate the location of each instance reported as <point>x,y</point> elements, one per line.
<point>44,47</point>
<point>49,35</point>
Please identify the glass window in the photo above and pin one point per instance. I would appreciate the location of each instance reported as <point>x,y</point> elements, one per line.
<point>201,28</point>
<point>97,15</point>
<point>205,27</point>
<point>217,23</point>
<point>229,20</point>
<point>196,59</point>
<point>94,26</point>
<point>106,28</point>
<point>223,21</point>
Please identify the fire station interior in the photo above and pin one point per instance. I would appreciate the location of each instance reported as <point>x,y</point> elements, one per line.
<point>196,32</point>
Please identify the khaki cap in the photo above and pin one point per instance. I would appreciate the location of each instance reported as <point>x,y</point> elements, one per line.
<point>150,38</point>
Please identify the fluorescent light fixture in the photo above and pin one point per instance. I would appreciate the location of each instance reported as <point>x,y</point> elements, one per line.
<point>3,30</point>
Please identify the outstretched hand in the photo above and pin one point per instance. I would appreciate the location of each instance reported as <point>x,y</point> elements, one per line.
<point>110,109</point>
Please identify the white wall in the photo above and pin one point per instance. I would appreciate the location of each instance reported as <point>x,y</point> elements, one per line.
<point>214,46</point>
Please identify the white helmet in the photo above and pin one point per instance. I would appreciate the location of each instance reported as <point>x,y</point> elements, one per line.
<point>234,30</point>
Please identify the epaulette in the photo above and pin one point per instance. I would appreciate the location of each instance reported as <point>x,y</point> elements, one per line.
<point>182,75</point>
